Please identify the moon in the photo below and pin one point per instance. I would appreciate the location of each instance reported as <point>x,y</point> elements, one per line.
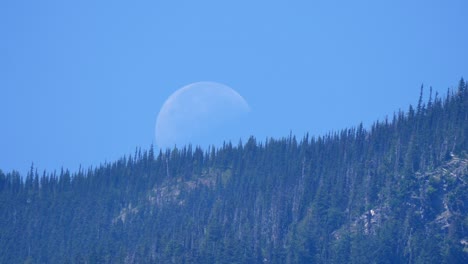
<point>201,114</point>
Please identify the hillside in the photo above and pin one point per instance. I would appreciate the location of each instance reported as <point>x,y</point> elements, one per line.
<point>394,193</point>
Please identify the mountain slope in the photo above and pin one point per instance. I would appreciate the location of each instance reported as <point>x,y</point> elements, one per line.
<point>396,193</point>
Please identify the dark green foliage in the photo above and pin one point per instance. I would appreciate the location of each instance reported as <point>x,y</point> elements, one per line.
<point>394,193</point>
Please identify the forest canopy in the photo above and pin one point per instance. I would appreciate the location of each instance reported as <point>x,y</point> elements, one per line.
<point>395,192</point>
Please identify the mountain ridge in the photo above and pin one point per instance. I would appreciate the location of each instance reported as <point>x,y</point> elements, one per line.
<point>394,193</point>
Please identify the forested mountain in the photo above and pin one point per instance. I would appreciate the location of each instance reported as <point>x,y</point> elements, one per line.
<point>394,193</point>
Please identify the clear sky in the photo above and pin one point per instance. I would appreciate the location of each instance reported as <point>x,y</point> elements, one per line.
<point>82,82</point>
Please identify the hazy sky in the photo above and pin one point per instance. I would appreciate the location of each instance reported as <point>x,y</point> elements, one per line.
<point>82,82</point>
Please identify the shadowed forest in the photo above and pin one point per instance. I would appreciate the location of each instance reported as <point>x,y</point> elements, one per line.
<point>395,192</point>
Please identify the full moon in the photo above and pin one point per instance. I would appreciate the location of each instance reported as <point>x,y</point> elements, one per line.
<point>201,114</point>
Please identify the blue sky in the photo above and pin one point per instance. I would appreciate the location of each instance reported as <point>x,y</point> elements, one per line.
<point>82,82</point>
